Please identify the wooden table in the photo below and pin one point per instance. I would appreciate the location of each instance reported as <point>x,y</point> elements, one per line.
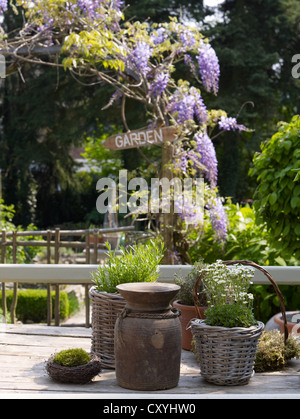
<point>24,350</point>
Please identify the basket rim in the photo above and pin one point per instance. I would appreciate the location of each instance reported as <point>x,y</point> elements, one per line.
<point>93,290</point>
<point>200,323</point>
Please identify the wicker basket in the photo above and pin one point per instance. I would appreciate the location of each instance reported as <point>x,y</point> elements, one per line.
<point>227,355</point>
<point>105,310</point>
<point>81,374</point>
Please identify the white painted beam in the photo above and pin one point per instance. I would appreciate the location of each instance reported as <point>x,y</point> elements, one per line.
<point>81,273</point>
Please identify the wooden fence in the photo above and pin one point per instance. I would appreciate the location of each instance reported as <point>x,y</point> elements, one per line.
<point>91,242</point>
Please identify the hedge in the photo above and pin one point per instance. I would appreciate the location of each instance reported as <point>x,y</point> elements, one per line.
<point>32,304</point>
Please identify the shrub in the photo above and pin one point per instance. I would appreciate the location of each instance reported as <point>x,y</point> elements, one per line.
<point>32,304</point>
<point>272,354</point>
<point>72,357</point>
<point>278,194</point>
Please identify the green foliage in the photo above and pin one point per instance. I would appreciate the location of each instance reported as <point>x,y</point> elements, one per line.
<point>230,315</point>
<point>138,263</point>
<point>24,254</point>
<point>71,357</point>
<point>272,354</point>
<point>262,76</point>
<point>247,239</point>
<point>278,194</point>
<point>32,304</point>
<point>187,284</point>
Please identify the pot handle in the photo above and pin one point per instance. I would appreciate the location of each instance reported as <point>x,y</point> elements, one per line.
<point>265,272</point>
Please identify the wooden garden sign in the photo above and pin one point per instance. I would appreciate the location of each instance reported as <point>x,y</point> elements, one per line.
<point>138,138</point>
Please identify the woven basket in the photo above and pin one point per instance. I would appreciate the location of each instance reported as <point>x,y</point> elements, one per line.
<point>227,355</point>
<point>105,310</point>
<point>81,374</point>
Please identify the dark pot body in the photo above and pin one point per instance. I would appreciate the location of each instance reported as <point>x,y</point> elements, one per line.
<point>148,338</point>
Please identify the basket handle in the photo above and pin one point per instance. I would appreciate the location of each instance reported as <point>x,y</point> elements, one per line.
<point>265,272</point>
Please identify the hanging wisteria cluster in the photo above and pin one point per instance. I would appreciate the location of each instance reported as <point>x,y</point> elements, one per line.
<point>139,61</point>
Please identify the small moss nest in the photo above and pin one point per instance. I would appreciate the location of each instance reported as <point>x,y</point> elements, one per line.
<point>71,357</point>
<point>272,353</point>
<point>73,366</point>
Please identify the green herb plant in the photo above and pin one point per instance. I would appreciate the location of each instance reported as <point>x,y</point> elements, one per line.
<point>226,289</point>
<point>187,284</point>
<point>139,263</point>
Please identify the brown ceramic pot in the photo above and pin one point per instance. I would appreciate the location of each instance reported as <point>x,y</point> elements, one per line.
<point>293,327</point>
<point>187,314</point>
<point>148,337</point>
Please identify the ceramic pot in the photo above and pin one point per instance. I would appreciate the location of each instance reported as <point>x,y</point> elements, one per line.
<point>148,337</point>
<point>188,313</point>
<point>292,326</point>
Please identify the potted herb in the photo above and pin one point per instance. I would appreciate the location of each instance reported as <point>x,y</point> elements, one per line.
<point>226,341</point>
<point>73,366</point>
<point>185,302</point>
<point>139,263</point>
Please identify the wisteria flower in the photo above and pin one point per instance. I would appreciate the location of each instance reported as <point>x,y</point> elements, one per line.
<point>139,57</point>
<point>159,84</point>
<point>159,36</point>
<point>188,211</point>
<point>187,38</point>
<point>208,157</point>
<point>186,104</point>
<point>209,68</point>
<point>3,6</point>
<point>218,220</point>
<point>230,124</point>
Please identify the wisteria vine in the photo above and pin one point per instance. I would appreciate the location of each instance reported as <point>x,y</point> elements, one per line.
<point>139,60</point>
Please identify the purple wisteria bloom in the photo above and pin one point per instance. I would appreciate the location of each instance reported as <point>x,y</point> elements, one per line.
<point>188,212</point>
<point>199,108</point>
<point>3,6</point>
<point>187,105</point>
<point>187,38</point>
<point>218,220</point>
<point>189,63</point>
<point>139,58</point>
<point>209,68</point>
<point>208,157</point>
<point>181,163</point>
<point>230,124</point>
<point>159,36</point>
<point>159,84</point>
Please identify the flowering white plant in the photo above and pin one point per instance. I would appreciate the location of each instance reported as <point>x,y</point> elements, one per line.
<point>228,284</point>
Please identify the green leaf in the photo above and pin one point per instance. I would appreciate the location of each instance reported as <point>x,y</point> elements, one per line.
<point>295,202</point>
<point>273,198</point>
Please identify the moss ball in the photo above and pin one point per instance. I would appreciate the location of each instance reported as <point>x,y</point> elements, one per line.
<point>72,358</point>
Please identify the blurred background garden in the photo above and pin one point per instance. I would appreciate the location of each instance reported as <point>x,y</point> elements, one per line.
<point>53,126</point>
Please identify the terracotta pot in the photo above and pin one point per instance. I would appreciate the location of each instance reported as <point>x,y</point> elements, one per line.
<point>148,337</point>
<point>187,314</point>
<point>291,326</point>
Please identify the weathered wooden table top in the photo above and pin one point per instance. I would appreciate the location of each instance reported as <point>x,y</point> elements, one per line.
<point>24,350</point>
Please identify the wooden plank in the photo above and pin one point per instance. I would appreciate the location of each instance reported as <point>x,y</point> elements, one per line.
<point>139,138</point>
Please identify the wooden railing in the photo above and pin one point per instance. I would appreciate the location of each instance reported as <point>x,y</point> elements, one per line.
<point>81,275</point>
